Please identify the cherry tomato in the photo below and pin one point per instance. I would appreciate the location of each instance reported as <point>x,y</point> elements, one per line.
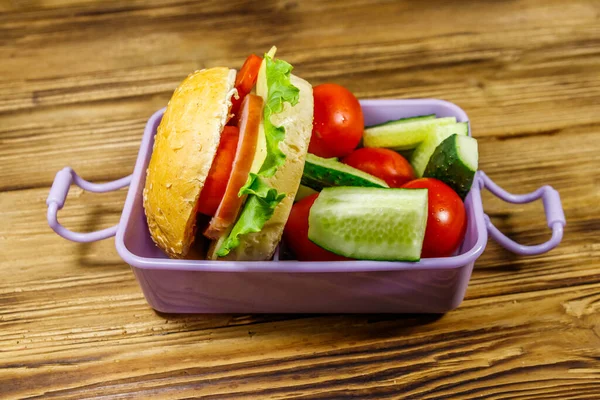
<point>218,176</point>
<point>244,82</point>
<point>385,164</point>
<point>446,221</point>
<point>338,122</point>
<point>295,234</point>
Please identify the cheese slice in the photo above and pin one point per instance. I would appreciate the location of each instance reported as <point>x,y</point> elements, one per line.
<point>262,90</point>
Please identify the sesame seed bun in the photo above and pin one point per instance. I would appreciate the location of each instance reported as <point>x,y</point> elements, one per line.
<point>184,148</point>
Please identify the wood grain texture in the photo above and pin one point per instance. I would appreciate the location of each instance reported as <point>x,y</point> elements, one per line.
<point>78,80</point>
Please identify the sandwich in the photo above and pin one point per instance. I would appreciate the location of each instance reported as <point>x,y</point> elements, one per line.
<point>227,161</point>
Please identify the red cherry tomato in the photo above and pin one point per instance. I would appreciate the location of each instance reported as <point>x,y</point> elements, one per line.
<point>446,221</point>
<point>385,164</point>
<point>295,234</point>
<point>338,122</point>
<point>244,82</point>
<point>216,182</point>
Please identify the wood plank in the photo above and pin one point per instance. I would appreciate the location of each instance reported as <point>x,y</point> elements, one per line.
<point>385,50</point>
<point>532,80</point>
<point>100,142</point>
<point>21,6</point>
<point>500,351</point>
<point>399,67</point>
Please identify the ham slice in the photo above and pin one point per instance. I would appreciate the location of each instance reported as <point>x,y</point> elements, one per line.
<point>227,212</point>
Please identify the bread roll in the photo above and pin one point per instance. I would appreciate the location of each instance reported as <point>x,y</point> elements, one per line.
<point>184,148</point>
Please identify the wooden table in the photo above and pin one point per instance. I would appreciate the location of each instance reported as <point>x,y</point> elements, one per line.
<point>78,79</point>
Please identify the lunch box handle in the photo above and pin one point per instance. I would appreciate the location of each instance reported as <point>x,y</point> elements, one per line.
<point>552,207</point>
<point>58,194</point>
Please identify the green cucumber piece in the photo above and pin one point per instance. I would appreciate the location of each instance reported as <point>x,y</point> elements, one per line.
<point>423,152</point>
<point>320,173</point>
<point>402,121</point>
<point>403,136</point>
<point>455,162</point>
<point>303,191</point>
<point>370,223</point>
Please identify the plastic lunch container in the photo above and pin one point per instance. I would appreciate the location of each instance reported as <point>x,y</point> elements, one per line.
<point>433,285</point>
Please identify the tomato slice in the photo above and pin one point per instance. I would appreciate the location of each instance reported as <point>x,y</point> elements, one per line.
<point>231,203</point>
<point>246,78</point>
<point>244,82</point>
<point>216,181</point>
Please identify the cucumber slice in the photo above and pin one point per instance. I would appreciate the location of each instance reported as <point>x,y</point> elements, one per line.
<point>303,191</point>
<point>423,152</point>
<point>454,162</point>
<point>403,136</point>
<point>320,173</point>
<point>370,223</point>
<point>403,120</point>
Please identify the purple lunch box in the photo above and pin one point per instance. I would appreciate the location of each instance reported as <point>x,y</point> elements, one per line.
<point>432,285</point>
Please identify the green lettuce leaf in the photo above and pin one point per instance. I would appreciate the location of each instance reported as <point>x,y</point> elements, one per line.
<point>258,209</point>
<point>280,90</point>
<point>262,199</point>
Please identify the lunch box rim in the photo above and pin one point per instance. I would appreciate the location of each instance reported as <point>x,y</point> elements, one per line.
<point>65,177</point>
